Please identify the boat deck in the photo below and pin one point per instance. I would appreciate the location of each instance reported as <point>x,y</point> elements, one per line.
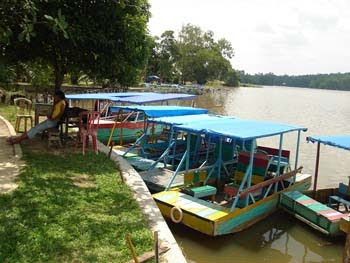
<point>157,179</point>
<point>199,208</point>
<point>143,164</point>
<point>134,159</point>
<point>120,150</point>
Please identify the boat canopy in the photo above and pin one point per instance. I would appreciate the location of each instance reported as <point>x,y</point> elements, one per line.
<point>132,97</point>
<point>342,141</point>
<point>101,96</point>
<point>178,120</point>
<point>238,128</point>
<point>162,111</point>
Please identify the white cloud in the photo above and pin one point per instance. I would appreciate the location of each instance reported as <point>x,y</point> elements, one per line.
<point>284,37</point>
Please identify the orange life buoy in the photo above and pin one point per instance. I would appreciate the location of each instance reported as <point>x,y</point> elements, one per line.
<point>172,216</point>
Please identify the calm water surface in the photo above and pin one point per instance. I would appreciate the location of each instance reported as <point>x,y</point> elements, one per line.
<point>280,238</point>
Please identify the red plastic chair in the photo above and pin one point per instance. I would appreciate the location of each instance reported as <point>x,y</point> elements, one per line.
<point>88,126</point>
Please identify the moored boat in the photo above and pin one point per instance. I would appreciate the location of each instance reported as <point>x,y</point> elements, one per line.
<point>240,185</point>
<point>126,125</point>
<point>326,210</point>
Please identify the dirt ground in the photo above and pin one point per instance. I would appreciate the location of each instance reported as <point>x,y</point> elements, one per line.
<point>9,164</point>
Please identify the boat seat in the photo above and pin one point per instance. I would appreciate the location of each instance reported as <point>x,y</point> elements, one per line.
<point>195,177</point>
<point>274,152</point>
<point>193,181</point>
<point>336,200</point>
<point>203,191</point>
<point>261,165</point>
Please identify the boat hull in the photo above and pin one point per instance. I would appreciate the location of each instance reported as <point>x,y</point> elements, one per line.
<point>215,220</point>
<point>312,208</point>
<point>129,131</point>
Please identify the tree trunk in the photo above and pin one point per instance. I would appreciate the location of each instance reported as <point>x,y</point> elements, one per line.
<point>59,75</point>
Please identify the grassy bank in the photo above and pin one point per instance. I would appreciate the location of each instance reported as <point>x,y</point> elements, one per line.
<point>8,112</point>
<point>69,208</point>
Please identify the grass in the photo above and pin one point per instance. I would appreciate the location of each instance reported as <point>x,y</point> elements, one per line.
<point>8,112</point>
<point>69,207</point>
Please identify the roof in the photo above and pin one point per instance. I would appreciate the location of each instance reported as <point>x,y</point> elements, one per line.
<point>132,97</point>
<point>161,111</point>
<point>178,120</point>
<point>238,128</point>
<point>101,96</point>
<point>342,141</point>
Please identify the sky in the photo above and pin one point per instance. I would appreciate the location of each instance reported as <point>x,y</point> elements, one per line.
<point>293,37</point>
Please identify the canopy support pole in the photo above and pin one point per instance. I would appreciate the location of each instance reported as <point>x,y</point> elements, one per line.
<point>316,166</point>
<point>174,150</point>
<point>234,204</point>
<point>113,128</point>
<point>121,130</point>
<point>163,156</point>
<point>251,160</point>
<point>133,146</point>
<point>208,148</point>
<point>188,152</point>
<point>220,161</point>
<point>297,154</point>
<point>184,157</point>
<point>279,161</point>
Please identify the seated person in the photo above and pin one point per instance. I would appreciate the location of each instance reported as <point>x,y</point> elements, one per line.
<point>51,121</point>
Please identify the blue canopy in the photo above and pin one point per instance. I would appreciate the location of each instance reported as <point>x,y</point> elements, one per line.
<point>342,142</point>
<point>178,120</point>
<point>154,97</point>
<point>161,111</point>
<point>238,128</point>
<point>101,96</point>
<point>132,97</point>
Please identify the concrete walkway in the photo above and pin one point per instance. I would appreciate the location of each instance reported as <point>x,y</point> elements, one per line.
<point>10,156</point>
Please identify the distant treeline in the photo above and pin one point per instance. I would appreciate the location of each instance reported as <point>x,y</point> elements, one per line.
<point>336,81</point>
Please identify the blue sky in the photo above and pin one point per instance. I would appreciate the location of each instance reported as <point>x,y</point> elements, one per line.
<point>284,37</point>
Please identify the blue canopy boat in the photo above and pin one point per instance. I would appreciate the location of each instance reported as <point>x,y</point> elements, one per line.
<point>234,189</point>
<point>326,210</point>
<point>127,123</point>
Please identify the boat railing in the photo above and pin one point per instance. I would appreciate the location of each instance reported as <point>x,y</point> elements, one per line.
<point>242,193</point>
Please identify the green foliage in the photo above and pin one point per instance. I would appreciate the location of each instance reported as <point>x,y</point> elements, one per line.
<point>71,208</point>
<point>7,74</point>
<point>232,79</point>
<point>201,58</point>
<point>103,39</point>
<point>195,56</point>
<point>338,81</point>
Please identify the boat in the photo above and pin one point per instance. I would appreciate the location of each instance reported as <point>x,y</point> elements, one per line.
<point>156,172</point>
<point>125,123</point>
<point>326,210</point>
<point>238,184</point>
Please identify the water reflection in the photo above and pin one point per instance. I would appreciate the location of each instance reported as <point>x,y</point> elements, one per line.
<point>278,239</point>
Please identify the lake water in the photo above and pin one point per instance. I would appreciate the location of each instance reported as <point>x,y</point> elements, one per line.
<point>280,238</point>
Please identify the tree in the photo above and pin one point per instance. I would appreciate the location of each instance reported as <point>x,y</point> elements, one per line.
<point>232,79</point>
<point>104,39</point>
<point>201,58</point>
<point>164,56</point>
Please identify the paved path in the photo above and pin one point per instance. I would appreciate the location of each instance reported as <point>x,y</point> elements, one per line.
<point>9,159</point>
